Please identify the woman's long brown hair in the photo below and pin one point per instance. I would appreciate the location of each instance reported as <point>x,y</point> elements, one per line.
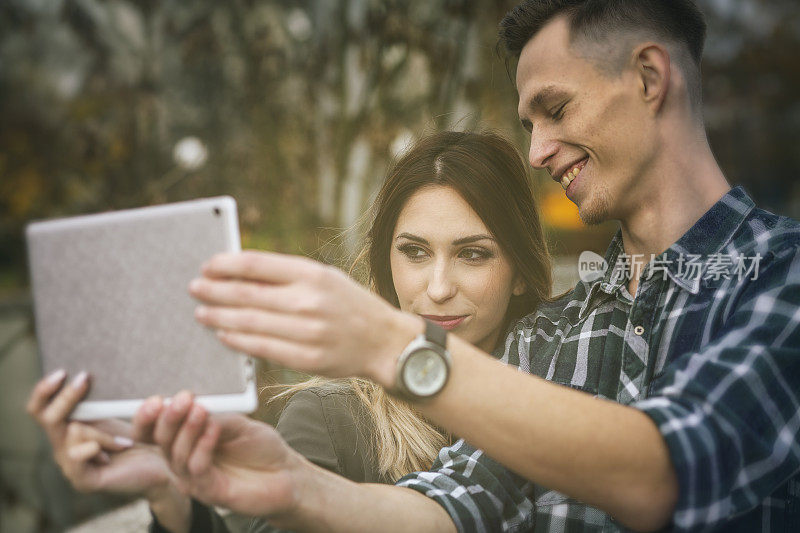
<point>489,173</point>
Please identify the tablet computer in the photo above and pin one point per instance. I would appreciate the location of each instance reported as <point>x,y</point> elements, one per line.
<point>110,295</point>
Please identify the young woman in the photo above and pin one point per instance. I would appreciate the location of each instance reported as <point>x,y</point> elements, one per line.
<point>455,238</point>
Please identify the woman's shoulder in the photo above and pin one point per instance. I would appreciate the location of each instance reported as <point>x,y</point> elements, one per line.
<point>326,395</point>
<point>323,401</point>
<point>330,425</point>
<point>337,406</point>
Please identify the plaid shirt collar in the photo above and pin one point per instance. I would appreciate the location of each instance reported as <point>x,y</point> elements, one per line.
<point>705,238</point>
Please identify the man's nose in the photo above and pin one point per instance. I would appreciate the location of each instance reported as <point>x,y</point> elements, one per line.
<point>542,150</point>
<point>441,285</point>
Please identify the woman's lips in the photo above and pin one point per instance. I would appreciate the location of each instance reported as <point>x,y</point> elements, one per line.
<point>445,321</point>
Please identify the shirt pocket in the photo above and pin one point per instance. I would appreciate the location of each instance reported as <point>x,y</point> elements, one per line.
<point>589,356</point>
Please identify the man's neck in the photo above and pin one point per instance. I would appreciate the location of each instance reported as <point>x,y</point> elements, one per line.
<point>682,187</point>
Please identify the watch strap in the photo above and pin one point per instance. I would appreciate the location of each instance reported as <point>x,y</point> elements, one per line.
<point>435,334</point>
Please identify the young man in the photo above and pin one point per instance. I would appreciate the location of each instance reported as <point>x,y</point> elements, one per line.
<point>691,364</point>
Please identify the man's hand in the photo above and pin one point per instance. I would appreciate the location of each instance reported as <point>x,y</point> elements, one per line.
<point>229,460</point>
<point>303,315</point>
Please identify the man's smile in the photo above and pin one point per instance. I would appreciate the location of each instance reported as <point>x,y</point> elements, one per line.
<point>568,174</point>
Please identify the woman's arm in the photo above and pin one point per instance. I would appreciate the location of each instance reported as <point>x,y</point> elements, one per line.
<point>306,428</point>
<point>245,466</point>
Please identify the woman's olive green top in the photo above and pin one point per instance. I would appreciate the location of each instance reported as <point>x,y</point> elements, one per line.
<point>332,428</point>
<point>329,426</point>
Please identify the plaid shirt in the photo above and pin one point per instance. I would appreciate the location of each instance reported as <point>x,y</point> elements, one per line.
<point>711,354</point>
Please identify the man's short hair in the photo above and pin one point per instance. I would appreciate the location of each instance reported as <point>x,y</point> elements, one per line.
<point>602,23</point>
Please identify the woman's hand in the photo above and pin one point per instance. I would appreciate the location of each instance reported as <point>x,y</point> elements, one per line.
<point>302,314</point>
<point>94,460</point>
<point>229,460</point>
<point>77,447</point>
<point>101,456</point>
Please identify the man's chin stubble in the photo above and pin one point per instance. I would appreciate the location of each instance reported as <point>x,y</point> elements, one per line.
<point>595,210</point>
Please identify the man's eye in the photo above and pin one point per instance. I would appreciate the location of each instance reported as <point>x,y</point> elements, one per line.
<point>412,251</point>
<point>558,113</point>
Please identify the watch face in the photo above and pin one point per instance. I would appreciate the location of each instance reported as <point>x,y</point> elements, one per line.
<point>424,373</point>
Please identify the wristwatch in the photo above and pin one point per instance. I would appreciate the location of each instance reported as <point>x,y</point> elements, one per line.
<point>424,365</point>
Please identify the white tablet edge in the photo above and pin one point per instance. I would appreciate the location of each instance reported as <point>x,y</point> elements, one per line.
<point>227,203</point>
<point>244,402</point>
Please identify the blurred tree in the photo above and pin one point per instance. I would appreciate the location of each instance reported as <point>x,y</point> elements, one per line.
<point>299,105</point>
<point>752,90</point>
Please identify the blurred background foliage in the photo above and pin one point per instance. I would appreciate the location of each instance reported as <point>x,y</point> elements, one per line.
<point>292,107</point>
<point>295,108</point>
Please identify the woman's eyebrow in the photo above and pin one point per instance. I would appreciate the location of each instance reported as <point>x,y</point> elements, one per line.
<point>473,238</point>
<point>457,242</point>
<point>412,237</point>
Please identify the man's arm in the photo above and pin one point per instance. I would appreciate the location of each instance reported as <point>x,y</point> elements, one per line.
<point>602,453</point>
<point>730,414</point>
<point>313,318</point>
<point>719,433</point>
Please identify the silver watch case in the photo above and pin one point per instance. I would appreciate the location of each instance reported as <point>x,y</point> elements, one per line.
<point>417,346</point>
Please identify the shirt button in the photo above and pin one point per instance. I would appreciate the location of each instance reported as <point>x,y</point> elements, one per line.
<point>639,330</point>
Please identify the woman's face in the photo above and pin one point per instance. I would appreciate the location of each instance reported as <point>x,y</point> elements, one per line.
<point>448,268</point>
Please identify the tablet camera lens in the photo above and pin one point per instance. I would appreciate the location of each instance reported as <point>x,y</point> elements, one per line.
<point>217,212</point>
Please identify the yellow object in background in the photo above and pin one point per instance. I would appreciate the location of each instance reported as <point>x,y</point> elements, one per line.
<point>559,212</point>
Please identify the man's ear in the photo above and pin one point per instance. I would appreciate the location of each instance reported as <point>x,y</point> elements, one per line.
<point>654,68</point>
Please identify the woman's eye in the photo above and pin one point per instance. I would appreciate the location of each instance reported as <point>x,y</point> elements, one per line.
<point>413,252</point>
<point>475,254</point>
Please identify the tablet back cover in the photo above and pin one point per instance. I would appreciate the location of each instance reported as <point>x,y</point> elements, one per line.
<point>110,296</point>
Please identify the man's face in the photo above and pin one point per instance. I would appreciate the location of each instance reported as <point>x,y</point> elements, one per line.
<point>590,129</point>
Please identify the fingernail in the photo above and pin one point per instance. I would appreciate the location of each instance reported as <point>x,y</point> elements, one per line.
<point>194,285</point>
<point>182,400</point>
<point>201,311</point>
<point>56,376</point>
<point>152,405</point>
<point>79,380</point>
<point>123,441</point>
